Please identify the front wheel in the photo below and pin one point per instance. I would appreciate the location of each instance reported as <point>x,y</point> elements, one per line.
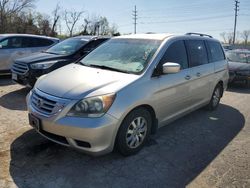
<point>134,131</point>
<point>215,99</point>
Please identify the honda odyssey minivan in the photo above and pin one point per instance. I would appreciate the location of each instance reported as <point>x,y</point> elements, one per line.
<point>126,89</point>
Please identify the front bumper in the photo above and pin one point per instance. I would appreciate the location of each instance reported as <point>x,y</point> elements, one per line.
<point>235,77</point>
<point>95,136</point>
<point>29,78</point>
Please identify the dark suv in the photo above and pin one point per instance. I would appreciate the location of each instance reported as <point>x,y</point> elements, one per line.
<point>25,71</point>
<point>239,66</point>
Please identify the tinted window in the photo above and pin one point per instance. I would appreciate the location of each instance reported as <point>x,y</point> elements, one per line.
<point>25,42</point>
<point>176,53</point>
<point>44,42</point>
<point>93,44</point>
<point>13,42</point>
<point>216,51</point>
<point>31,42</point>
<point>197,53</point>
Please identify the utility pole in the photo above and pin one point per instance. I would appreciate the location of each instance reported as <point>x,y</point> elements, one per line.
<point>135,18</point>
<point>236,9</point>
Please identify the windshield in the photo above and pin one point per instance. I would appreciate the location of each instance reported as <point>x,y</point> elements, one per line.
<point>241,57</point>
<point>67,47</point>
<point>124,55</point>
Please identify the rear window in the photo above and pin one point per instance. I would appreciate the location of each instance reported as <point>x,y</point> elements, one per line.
<point>215,50</point>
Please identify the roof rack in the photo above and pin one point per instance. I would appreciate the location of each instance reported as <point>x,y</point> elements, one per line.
<point>200,34</point>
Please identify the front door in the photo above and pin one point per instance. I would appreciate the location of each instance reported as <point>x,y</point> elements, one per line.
<point>173,94</point>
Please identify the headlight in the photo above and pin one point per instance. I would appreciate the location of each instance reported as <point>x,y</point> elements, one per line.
<point>43,65</point>
<point>93,106</point>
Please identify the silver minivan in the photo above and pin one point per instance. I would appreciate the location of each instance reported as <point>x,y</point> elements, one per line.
<point>13,46</point>
<point>126,89</point>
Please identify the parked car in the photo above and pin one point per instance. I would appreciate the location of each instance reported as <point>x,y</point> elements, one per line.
<point>13,46</point>
<point>227,47</point>
<point>25,71</point>
<point>125,89</point>
<point>239,66</point>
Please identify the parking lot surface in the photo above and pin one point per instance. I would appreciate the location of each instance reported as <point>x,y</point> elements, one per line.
<point>202,149</point>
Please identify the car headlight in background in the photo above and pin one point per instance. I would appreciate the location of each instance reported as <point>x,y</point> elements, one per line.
<point>44,65</point>
<point>93,106</point>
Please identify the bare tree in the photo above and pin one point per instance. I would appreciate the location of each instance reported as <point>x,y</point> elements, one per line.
<point>9,9</point>
<point>56,17</point>
<point>43,24</point>
<point>230,37</point>
<point>245,35</point>
<point>223,35</point>
<point>113,31</point>
<point>71,18</point>
<point>85,26</point>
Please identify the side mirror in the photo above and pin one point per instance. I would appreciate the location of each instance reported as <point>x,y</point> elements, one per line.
<point>170,68</point>
<point>1,46</point>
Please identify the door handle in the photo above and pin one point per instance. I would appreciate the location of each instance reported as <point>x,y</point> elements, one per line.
<point>198,74</point>
<point>187,77</point>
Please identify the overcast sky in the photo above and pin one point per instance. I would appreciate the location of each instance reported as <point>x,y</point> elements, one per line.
<point>161,16</point>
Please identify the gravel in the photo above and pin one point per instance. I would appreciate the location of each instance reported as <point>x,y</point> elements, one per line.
<point>202,149</point>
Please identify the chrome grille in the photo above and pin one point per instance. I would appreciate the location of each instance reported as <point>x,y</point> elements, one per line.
<point>20,68</point>
<point>42,104</point>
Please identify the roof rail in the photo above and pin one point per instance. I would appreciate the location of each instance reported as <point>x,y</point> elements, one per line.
<point>200,34</point>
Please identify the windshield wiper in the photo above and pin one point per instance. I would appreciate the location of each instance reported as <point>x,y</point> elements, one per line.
<point>50,52</point>
<point>106,67</point>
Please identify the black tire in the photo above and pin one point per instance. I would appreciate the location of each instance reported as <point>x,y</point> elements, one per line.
<point>215,99</point>
<point>122,138</point>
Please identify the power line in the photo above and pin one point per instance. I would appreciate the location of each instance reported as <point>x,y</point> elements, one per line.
<point>187,20</point>
<point>236,9</point>
<point>135,18</point>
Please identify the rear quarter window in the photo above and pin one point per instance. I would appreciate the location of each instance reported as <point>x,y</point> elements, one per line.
<point>215,51</point>
<point>31,42</point>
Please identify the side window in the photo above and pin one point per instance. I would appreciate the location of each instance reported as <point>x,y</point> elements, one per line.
<point>13,42</point>
<point>216,51</point>
<point>197,52</point>
<point>39,42</point>
<point>16,42</point>
<point>92,45</point>
<point>27,42</point>
<point>176,53</point>
<point>46,42</point>
<point>4,43</point>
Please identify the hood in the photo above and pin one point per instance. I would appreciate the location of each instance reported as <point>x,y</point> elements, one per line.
<point>37,57</point>
<point>77,81</point>
<point>234,66</point>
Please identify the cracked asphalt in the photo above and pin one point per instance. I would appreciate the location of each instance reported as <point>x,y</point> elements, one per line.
<point>202,149</point>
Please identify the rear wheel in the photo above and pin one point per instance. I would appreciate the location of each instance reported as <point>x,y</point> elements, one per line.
<point>215,99</point>
<point>134,131</point>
